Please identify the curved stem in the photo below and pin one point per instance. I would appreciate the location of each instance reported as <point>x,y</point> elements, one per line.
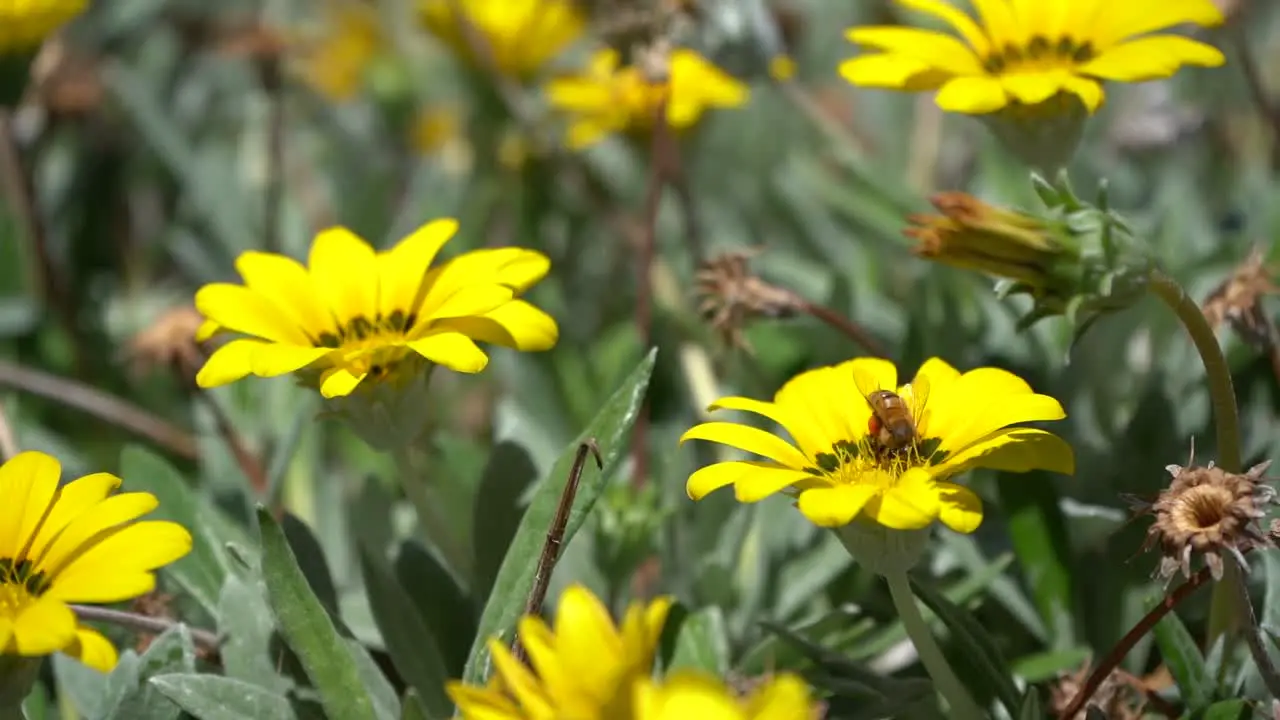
<point>961,704</point>
<point>1224,609</point>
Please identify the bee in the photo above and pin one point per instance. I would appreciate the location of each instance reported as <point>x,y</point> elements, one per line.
<point>892,425</point>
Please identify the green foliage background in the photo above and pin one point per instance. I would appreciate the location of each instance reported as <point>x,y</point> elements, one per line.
<point>157,189</point>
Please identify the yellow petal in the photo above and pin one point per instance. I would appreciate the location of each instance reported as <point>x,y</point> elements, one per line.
<point>1151,58</point>
<point>938,50</point>
<point>910,504</point>
<point>28,484</point>
<point>895,72</point>
<point>749,439</point>
<point>92,526</point>
<point>835,506</point>
<point>829,404</point>
<point>452,350</point>
<point>238,308</point>
<point>589,131</point>
<point>688,694</point>
<point>403,267</point>
<point>228,363</point>
<point>93,649</point>
<point>345,270</point>
<point>939,372</point>
<point>516,677</point>
<point>954,17</point>
<point>1002,25</point>
<point>117,568</point>
<point>43,627</point>
<point>975,95</point>
<point>516,324</point>
<point>1044,19</point>
<point>752,480</point>
<point>470,301</point>
<point>272,360</point>
<point>1033,88</point>
<point>783,697</point>
<point>785,417</point>
<point>578,94</point>
<point>284,283</point>
<point>207,329</point>
<point>972,418</point>
<point>476,703</point>
<point>961,508</point>
<point>1088,90</point>
<point>540,646</point>
<point>75,498</point>
<point>1125,20</point>
<point>339,382</point>
<point>1013,450</point>
<point>586,639</point>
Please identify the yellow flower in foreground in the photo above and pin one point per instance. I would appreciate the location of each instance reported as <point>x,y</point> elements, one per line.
<point>840,471</point>
<point>353,313</point>
<point>610,99</point>
<point>521,35</point>
<point>77,543</point>
<point>686,695</point>
<point>334,63</point>
<point>24,24</point>
<point>1028,51</point>
<point>585,669</point>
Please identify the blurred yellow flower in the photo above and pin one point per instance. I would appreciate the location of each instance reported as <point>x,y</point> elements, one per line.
<point>689,695</point>
<point>609,99</point>
<point>587,668</point>
<point>334,63</point>
<point>77,543</point>
<point>434,128</point>
<point>353,313</point>
<point>1028,51</point>
<point>24,24</point>
<point>521,35</point>
<point>839,465</point>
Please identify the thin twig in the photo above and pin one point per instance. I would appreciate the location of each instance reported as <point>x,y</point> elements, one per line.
<point>99,404</point>
<point>8,442</point>
<point>1122,648</point>
<point>555,536</point>
<point>143,623</point>
<point>852,330</point>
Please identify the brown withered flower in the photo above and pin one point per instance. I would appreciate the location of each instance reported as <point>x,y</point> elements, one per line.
<point>1238,302</point>
<point>1118,697</point>
<point>1210,512</point>
<point>729,296</point>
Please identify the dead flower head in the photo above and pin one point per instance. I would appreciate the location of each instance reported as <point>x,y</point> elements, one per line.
<point>170,342</point>
<point>1119,697</point>
<point>1238,302</point>
<point>1210,512</point>
<point>729,296</point>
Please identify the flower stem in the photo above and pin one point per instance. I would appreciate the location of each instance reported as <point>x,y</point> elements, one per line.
<point>961,704</point>
<point>1225,611</point>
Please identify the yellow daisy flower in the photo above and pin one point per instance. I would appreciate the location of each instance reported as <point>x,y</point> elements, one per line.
<point>353,313</point>
<point>610,99</point>
<point>26,23</point>
<point>1029,51</point>
<point>585,669</point>
<point>839,462</point>
<point>334,62</point>
<point>76,543</point>
<point>687,694</point>
<point>522,35</point>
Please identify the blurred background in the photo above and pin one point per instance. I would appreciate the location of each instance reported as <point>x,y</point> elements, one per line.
<point>165,137</point>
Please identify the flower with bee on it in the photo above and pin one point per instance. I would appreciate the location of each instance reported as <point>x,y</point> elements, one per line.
<point>842,472</point>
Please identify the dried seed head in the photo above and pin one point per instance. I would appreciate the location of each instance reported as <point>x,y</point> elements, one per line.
<point>729,296</point>
<point>1238,302</point>
<point>170,341</point>
<point>1210,512</point>
<point>1119,697</point>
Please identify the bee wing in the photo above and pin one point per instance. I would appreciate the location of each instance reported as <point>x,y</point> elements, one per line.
<point>866,382</point>
<point>915,394</point>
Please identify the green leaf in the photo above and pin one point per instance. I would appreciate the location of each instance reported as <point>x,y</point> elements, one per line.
<point>386,703</point>
<point>212,697</point>
<point>702,643</point>
<point>976,643</point>
<point>247,627</point>
<point>1185,662</point>
<point>412,646</point>
<point>610,428</point>
<point>1039,536</point>
<point>309,630</point>
<point>508,475</point>
<point>442,605</point>
<point>1223,710</point>
<point>1048,665</point>
<point>203,570</point>
<point>1030,708</point>
<point>130,696</point>
<point>412,708</point>
<point>310,556</point>
<point>81,684</point>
